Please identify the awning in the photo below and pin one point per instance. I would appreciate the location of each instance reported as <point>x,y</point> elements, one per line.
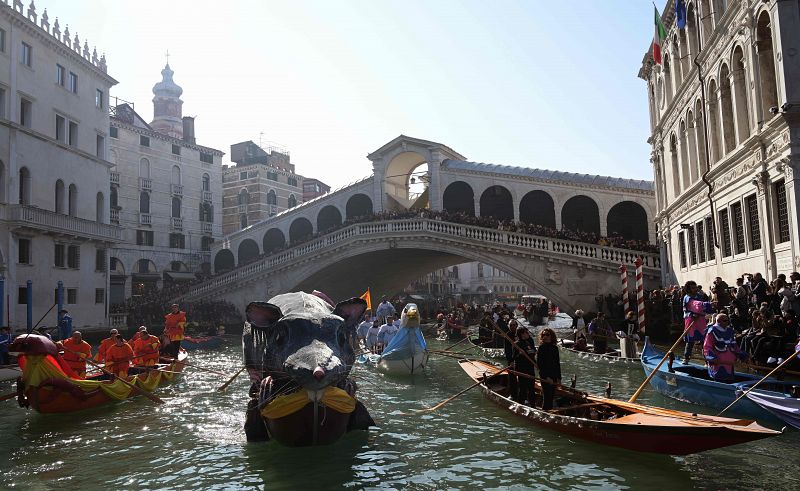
<point>180,276</point>
<point>145,276</point>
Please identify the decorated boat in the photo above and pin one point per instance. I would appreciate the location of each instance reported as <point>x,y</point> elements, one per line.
<point>407,352</point>
<point>48,385</point>
<point>208,342</point>
<point>622,424</point>
<point>612,356</point>
<point>691,383</point>
<point>784,406</point>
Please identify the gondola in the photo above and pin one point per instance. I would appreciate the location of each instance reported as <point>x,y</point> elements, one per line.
<point>617,423</point>
<point>691,383</point>
<point>48,387</point>
<point>207,342</point>
<point>612,356</point>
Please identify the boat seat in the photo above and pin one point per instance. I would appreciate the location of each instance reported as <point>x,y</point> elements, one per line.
<point>579,406</point>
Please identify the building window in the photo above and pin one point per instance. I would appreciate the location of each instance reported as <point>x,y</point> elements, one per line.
<point>205,243</point>
<point>243,221</point>
<point>144,202</point>
<point>242,176</point>
<point>99,295</point>
<point>738,227</point>
<point>26,54</point>
<point>25,112</point>
<point>292,201</point>
<point>61,75</point>
<point>113,132</point>
<point>74,257</point>
<point>2,102</point>
<point>73,83</point>
<point>783,212</point>
<point>692,247</point>
<point>176,149</point>
<point>73,134</point>
<point>712,254</point>
<point>2,41</point>
<point>272,176</point>
<point>755,227</point>
<point>206,213</point>
<point>24,251</point>
<point>98,99</point>
<point>100,260</point>
<point>206,182</point>
<point>176,207</point>
<point>60,252</point>
<point>206,158</point>
<point>725,228</point>
<point>101,147</point>
<point>701,241</point>
<point>144,141</point>
<point>72,296</point>
<point>61,129</point>
<point>292,181</point>
<point>682,247</point>
<point>144,237</point>
<point>22,295</point>
<point>177,241</point>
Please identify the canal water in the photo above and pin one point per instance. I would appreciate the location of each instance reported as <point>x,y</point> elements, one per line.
<point>195,441</point>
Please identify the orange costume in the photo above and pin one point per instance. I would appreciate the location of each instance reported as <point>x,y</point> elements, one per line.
<point>101,350</point>
<point>75,353</point>
<point>174,325</point>
<point>146,350</point>
<point>118,359</point>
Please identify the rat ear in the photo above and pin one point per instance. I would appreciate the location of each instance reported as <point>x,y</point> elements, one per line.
<point>351,310</point>
<point>262,314</point>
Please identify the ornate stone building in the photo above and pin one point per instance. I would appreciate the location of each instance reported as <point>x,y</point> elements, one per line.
<point>166,192</point>
<point>725,120</point>
<point>54,194</point>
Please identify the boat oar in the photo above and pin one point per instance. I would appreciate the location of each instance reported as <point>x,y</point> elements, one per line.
<point>785,362</point>
<point>655,370</point>
<point>229,382</point>
<point>434,408</point>
<point>466,338</point>
<point>8,396</point>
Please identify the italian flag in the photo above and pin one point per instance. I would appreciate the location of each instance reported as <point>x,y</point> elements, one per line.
<point>658,37</point>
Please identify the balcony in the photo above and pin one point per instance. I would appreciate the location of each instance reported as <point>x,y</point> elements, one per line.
<point>177,223</point>
<point>176,189</point>
<point>145,219</point>
<point>115,178</point>
<point>242,209</point>
<point>145,184</point>
<point>115,216</point>
<point>24,216</point>
<point>207,196</point>
<point>208,228</point>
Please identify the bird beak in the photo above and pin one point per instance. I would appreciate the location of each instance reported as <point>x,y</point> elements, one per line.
<point>411,314</point>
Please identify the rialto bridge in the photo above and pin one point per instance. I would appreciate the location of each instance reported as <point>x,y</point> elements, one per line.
<point>386,255</point>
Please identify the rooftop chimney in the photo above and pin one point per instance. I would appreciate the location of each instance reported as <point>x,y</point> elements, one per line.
<point>188,129</point>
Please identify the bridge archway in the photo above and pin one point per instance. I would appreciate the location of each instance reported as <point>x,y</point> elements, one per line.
<point>629,220</point>
<point>581,214</point>
<point>248,251</point>
<point>300,230</point>
<point>398,177</point>
<point>496,202</point>
<point>459,197</point>
<point>537,208</point>
<point>274,240</point>
<point>329,217</point>
<point>358,205</point>
<point>224,261</point>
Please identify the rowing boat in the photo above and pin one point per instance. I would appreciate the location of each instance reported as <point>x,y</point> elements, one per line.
<point>784,406</point>
<point>207,342</point>
<point>49,385</point>
<point>613,356</point>
<point>690,382</point>
<point>621,424</point>
<point>407,352</point>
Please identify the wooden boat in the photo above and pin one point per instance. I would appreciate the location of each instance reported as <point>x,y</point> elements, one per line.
<point>691,383</point>
<point>50,387</point>
<point>612,356</point>
<point>618,423</point>
<point>208,342</point>
<point>489,350</point>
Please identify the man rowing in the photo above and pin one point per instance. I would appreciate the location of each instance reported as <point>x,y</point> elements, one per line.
<point>104,344</point>
<point>146,349</point>
<point>118,357</point>
<point>76,350</point>
<point>174,325</point>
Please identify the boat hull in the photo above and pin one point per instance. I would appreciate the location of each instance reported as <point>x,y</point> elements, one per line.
<point>297,429</point>
<point>404,366</point>
<point>599,358</point>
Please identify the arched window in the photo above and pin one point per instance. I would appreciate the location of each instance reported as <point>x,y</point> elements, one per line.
<point>176,175</point>
<point>113,198</point>
<point>242,221</point>
<point>100,208</point>
<point>691,138</point>
<point>713,122</point>
<point>292,201</point>
<point>358,205</point>
<point>685,54</point>
<point>206,212</point>
<point>700,136</point>
<point>676,165</point>
<point>766,65</point>
<point>206,182</point>
<point>72,203</point>
<point>144,202</point>
<point>24,186</point>
<point>678,68</point>
<point>725,100</point>
<point>144,168</point>
<point>272,198</point>
<point>706,19</point>
<point>684,156</point>
<point>739,76</point>
<point>176,207</point>
<point>244,197</point>
<point>692,28</point>
<point>669,77</point>
<point>59,208</point>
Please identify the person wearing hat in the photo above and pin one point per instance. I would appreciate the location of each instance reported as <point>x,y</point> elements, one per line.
<point>578,325</point>
<point>174,326</point>
<point>385,308</point>
<point>146,348</point>
<point>104,345</point>
<point>138,333</point>
<point>64,325</point>
<point>76,350</point>
<point>118,357</point>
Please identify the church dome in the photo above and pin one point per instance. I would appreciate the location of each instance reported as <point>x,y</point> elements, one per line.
<point>167,87</point>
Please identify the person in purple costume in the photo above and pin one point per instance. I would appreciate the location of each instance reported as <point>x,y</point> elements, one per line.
<point>694,318</point>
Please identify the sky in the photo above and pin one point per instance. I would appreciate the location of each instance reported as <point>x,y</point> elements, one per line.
<point>530,83</point>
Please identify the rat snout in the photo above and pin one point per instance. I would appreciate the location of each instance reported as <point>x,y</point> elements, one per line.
<point>319,373</point>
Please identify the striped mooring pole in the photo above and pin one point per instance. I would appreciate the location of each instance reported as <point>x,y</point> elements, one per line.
<point>623,276</point>
<point>640,294</point>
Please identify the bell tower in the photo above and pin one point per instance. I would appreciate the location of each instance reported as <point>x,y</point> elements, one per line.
<point>167,105</point>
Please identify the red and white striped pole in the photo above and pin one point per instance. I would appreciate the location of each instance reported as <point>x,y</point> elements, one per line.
<point>640,293</point>
<point>623,276</point>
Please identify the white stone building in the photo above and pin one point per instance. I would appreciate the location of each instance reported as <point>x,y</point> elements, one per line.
<point>738,130</point>
<point>166,193</point>
<point>54,195</point>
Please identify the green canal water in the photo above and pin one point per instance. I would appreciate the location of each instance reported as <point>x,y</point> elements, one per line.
<point>195,441</point>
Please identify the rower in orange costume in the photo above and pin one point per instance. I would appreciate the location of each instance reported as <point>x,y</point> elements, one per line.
<point>174,325</point>
<point>118,357</point>
<point>136,336</point>
<point>76,350</point>
<point>146,349</point>
<point>104,344</point>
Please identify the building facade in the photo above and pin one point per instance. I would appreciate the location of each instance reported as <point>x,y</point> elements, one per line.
<point>314,188</point>
<point>726,151</point>
<point>54,173</point>
<point>261,184</point>
<point>166,193</point>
